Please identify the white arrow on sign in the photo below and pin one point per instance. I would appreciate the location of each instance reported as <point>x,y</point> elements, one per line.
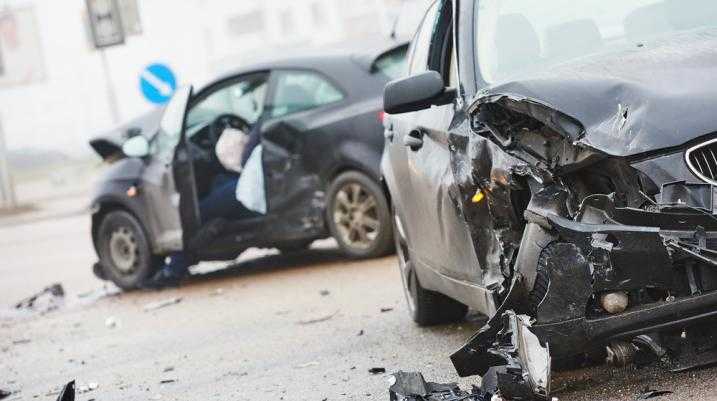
<point>164,88</point>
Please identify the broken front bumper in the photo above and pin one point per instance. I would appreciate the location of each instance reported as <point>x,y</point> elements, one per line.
<point>661,259</point>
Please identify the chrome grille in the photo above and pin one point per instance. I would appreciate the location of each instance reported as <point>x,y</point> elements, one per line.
<point>702,160</point>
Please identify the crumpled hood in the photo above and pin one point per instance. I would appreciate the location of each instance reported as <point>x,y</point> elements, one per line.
<point>109,144</point>
<point>657,96</point>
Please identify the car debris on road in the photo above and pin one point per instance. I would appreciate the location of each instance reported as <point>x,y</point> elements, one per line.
<point>318,319</point>
<point>162,304</point>
<point>5,393</point>
<point>377,370</point>
<point>49,299</point>
<point>68,392</point>
<point>648,394</point>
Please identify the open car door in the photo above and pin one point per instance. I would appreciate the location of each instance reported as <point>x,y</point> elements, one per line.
<point>169,186</point>
<point>185,180</point>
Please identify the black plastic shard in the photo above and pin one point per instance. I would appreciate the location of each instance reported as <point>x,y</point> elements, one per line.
<point>47,297</point>
<point>411,386</point>
<point>68,392</point>
<point>512,361</point>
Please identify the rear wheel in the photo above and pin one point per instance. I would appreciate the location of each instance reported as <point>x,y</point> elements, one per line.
<point>358,216</point>
<point>125,254</point>
<point>427,308</point>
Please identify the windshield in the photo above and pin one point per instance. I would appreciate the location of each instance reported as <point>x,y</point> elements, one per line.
<point>244,98</point>
<point>513,36</point>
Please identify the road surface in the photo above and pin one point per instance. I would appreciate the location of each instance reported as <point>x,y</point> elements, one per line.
<point>269,327</point>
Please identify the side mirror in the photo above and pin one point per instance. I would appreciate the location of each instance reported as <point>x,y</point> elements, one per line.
<point>137,146</point>
<point>415,93</point>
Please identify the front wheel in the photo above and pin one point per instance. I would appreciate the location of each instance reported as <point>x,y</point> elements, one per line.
<point>427,308</point>
<point>358,216</point>
<point>124,251</point>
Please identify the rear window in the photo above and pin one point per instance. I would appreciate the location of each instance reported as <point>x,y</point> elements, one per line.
<point>392,64</point>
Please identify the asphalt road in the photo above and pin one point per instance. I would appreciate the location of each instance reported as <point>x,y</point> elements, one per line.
<point>269,327</point>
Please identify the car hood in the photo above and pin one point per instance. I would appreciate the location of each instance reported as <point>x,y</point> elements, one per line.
<point>654,96</point>
<point>109,144</point>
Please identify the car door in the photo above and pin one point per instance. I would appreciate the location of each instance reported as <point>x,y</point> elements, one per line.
<point>168,179</point>
<point>438,236</point>
<point>299,100</point>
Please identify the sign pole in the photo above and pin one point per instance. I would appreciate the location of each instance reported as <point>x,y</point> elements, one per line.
<point>111,95</point>
<point>7,188</point>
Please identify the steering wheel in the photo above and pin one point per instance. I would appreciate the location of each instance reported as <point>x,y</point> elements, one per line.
<point>222,122</point>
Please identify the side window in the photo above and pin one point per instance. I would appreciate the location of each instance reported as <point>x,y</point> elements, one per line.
<point>422,41</point>
<point>244,98</point>
<point>301,90</point>
<point>391,64</point>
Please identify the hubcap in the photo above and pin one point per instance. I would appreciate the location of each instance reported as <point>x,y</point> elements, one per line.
<point>356,216</point>
<point>124,250</point>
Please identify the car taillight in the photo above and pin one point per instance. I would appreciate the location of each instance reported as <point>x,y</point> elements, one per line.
<point>381,116</point>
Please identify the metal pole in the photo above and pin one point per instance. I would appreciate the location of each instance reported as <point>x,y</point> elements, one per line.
<point>111,95</point>
<point>7,188</point>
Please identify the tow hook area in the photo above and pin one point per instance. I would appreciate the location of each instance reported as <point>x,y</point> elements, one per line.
<point>509,357</point>
<point>676,350</point>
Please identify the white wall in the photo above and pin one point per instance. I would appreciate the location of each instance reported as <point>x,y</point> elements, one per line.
<point>195,37</point>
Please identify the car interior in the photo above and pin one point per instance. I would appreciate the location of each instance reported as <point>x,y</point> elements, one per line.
<point>237,105</point>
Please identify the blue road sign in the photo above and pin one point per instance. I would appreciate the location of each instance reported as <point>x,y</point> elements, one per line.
<point>158,83</point>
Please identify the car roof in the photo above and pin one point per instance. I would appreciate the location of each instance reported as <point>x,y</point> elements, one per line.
<point>334,63</point>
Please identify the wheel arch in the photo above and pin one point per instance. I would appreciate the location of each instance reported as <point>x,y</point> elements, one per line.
<point>103,206</point>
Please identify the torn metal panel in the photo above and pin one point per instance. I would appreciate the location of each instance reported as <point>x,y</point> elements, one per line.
<point>464,358</point>
<point>496,224</point>
<point>509,356</point>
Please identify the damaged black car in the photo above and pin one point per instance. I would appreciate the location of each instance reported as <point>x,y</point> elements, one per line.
<point>555,162</point>
<point>317,121</point>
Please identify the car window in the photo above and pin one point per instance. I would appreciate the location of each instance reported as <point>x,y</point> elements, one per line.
<point>422,40</point>
<point>392,64</point>
<point>302,90</point>
<point>244,98</point>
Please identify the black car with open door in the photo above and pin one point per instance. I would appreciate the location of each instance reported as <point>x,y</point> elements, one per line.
<point>320,124</point>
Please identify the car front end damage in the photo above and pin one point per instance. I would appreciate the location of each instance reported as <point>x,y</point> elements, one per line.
<point>598,253</point>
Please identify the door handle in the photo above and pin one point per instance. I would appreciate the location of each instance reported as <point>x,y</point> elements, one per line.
<point>414,140</point>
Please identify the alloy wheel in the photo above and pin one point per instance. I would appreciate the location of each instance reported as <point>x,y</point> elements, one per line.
<point>356,216</point>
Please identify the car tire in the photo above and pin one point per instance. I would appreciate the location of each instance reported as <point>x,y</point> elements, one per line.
<point>426,308</point>
<point>124,251</point>
<point>358,216</point>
